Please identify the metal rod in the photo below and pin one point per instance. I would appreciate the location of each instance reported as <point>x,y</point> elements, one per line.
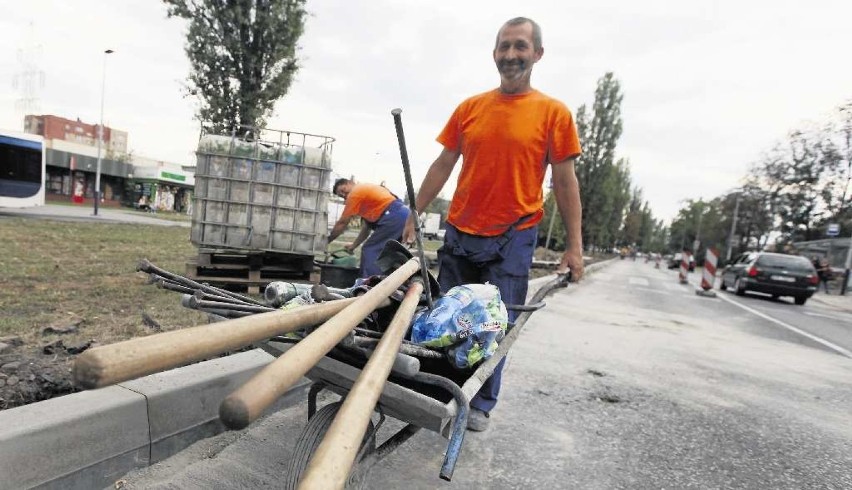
<point>203,295</point>
<point>197,303</point>
<point>173,286</point>
<point>403,153</point>
<point>146,266</point>
<point>404,348</point>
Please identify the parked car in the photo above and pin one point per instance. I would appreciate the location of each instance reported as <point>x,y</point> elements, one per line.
<point>771,273</point>
<point>674,262</point>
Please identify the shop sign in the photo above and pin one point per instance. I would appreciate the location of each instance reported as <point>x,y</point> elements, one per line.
<point>172,176</point>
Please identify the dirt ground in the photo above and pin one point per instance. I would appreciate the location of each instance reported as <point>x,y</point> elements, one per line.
<point>29,375</point>
<point>38,366</point>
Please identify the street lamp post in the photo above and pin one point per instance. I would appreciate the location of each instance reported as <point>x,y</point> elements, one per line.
<point>733,227</point>
<point>100,136</point>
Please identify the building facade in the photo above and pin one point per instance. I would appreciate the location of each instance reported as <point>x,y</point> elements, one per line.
<point>71,155</point>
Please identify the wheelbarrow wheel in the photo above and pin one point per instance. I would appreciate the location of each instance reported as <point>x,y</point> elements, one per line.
<point>310,440</point>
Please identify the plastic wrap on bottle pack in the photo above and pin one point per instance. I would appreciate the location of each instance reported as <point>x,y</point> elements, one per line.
<point>304,298</point>
<point>469,320</point>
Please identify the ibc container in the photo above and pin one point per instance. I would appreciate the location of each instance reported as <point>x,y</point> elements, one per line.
<point>266,193</point>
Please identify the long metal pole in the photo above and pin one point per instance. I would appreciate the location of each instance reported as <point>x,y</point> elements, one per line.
<point>100,136</point>
<point>733,228</point>
<point>406,167</point>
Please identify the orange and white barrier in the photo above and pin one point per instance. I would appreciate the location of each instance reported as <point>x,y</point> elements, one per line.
<point>708,278</point>
<point>684,268</point>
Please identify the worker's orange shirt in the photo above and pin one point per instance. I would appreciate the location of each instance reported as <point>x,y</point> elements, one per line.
<point>506,142</point>
<point>367,201</point>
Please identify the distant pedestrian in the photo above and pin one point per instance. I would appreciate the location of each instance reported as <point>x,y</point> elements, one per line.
<point>824,273</point>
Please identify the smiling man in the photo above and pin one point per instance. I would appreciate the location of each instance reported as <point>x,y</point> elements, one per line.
<point>506,138</point>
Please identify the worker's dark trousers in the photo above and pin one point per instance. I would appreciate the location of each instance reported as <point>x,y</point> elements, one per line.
<point>388,227</point>
<point>504,261</point>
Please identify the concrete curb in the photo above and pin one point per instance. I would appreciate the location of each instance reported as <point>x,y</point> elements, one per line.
<point>90,439</point>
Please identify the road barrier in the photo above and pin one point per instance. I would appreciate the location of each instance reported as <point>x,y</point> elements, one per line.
<point>708,277</point>
<point>684,268</point>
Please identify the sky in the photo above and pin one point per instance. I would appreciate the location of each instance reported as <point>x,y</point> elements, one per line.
<point>707,86</point>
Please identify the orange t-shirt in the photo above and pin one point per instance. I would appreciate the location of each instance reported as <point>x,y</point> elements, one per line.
<point>367,201</point>
<point>506,141</point>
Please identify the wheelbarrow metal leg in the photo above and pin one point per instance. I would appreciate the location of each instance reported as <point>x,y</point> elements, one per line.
<point>395,441</point>
<point>460,425</point>
<point>313,391</point>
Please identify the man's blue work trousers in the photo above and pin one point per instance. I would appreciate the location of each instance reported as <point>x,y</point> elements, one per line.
<point>388,227</point>
<point>503,261</point>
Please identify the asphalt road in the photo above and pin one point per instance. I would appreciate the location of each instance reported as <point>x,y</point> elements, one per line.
<point>628,380</point>
<point>813,322</point>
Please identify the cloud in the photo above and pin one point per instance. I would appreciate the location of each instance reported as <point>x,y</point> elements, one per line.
<point>707,87</point>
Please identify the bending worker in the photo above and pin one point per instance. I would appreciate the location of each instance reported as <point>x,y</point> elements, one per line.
<point>383,218</point>
<point>506,137</point>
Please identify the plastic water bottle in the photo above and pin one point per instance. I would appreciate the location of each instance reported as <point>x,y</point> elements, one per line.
<point>436,328</point>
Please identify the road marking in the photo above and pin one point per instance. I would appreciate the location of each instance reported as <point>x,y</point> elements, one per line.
<point>685,293</point>
<point>675,287</point>
<point>639,281</point>
<point>830,345</point>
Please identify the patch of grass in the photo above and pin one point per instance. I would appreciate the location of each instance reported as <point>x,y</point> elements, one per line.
<point>57,273</point>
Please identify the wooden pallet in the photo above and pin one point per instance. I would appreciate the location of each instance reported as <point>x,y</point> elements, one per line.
<point>248,271</point>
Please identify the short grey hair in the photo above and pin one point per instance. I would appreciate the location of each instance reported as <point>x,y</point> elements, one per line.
<point>537,43</point>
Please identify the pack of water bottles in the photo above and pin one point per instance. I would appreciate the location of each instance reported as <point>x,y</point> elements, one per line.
<point>468,321</point>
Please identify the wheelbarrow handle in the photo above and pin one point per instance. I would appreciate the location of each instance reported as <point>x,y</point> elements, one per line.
<point>530,307</point>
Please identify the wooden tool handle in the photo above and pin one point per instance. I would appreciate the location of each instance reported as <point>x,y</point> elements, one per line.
<point>246,404</point>
<point>332,462</point>
<point>114,363</point>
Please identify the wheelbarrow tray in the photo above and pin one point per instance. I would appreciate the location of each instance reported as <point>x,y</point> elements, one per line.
<point>413,400</point>
<point>398,401</point>
<point>408,404</point>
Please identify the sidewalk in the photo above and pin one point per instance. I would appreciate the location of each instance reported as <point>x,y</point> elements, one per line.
<point>835,300</point>
<point>84,213</point>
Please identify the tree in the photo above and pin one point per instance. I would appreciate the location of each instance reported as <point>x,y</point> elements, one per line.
<point>604,185</point>
<point>242,55</point>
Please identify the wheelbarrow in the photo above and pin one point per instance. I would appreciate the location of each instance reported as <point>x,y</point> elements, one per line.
<point>419,399</point>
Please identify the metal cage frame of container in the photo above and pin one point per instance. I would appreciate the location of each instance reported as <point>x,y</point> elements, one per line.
<point>260,190</point>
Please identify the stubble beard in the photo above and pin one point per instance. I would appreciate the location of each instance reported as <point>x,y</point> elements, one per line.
<point>518,73</point>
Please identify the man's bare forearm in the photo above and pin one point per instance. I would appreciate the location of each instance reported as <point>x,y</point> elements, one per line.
<point>567,193</point>
<point>362,235</point>
<point>435,179</point>
<point>337,230</point>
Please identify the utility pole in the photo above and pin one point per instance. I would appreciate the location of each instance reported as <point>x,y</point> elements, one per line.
<point>697,241</point>
<point>847,266</point>
<point>733,228</point>
<point>100,136</point>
